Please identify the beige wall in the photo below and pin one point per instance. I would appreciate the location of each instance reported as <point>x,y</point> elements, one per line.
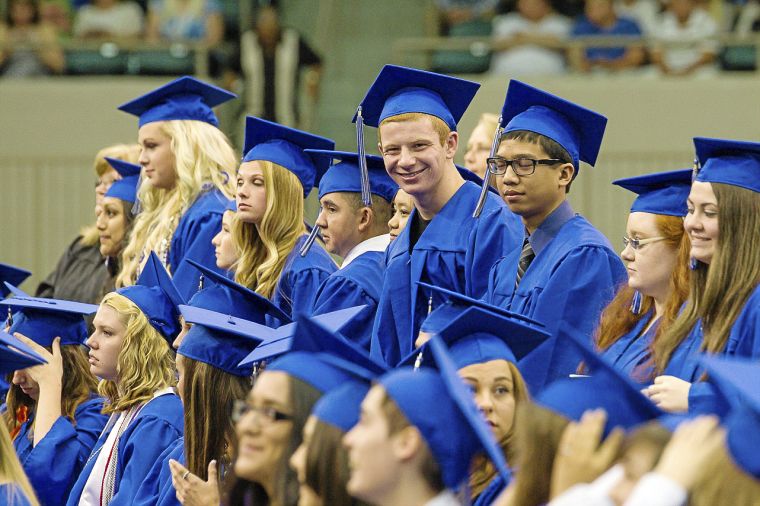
<point>51,129</point>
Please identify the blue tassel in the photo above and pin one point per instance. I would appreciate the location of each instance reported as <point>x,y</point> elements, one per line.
<point>484,189</point>
<point>366,194</point>
<point>309,241</point>
<point>636,302</point>
<point>693,263</point>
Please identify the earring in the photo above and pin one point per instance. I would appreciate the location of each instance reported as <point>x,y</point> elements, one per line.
<point>693,263</point>
<point>636,302</point>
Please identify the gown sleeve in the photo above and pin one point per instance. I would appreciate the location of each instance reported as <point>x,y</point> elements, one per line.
<point>157,480</point>
<point>305,284</point>
<point>193,241</point>
<point>340,292</point>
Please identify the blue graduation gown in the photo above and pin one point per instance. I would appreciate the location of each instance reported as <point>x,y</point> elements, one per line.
<point>158,425</point>
<point>54,464</point>
<point>157,489</point>
<point>454,252</point>
<point>631,353</point>
<point>570,281</point>
<point>491,492</point>
<point>10,491</point>
<point>300,280</point>
<point>358,283</point>
<point>192,239</point>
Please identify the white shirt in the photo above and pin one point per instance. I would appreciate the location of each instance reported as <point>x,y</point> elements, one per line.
<point>645,12</point>
<point>377,243</point>
<point>445,498</point>
<point>122,20</point>
<point>529,59</point>
<point>696,32</point>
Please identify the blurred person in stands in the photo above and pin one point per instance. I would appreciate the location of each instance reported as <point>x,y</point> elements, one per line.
<point>646,13</point>
<point>479,144</point>
<point>457,12</point>
<point>185,21</point>
<point>690,26</point>
<point>109,18</point>
<point>28,46</point>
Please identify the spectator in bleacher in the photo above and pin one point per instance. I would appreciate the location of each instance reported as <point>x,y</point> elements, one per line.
<point>685,22</point>
<point>646,13</point>
<point>28,47</point>
<point>526,40</point>
<point>600,19</point>
<point>479,144</point>
<point>185,21</point>
<point>109,18</point>
<point>456,12</point>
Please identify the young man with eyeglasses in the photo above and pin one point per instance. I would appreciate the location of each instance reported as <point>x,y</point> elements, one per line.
<point>566,272</point>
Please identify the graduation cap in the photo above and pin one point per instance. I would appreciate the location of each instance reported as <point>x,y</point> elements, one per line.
<point>126,187</point>
<point>230,298</point>
<point>11,275</point>
<point>272,142</point>
<point>231,206</point>
<point>185,98</point>
<point>42,320</point>
<point>442,408</point>
<point>15,355</point>
<point>345,175</point>
<point>606,388</point>
<point>341,406</point>
<point>157,297</point>
<point>736,163</point>
<point>659,193</point>
<point>737,380</point>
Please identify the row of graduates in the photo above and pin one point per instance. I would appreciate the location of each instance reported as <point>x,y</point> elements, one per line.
<point>533,256</point>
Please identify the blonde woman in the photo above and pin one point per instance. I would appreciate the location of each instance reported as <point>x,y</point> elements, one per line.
<point>272,182</point>
<point>131,354</point>
<point>81,270</point>
<point>188,166</point>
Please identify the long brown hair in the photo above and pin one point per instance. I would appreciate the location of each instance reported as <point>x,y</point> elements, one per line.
<point>12,472</point>
<point>208,395</point>
<point>617,319</point>
<point>78,386</point>
<point>718,292</point>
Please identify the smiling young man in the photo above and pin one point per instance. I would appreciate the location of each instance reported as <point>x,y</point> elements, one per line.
<point>566,272</point>
<point>416,113</point>
<point>357,233</point>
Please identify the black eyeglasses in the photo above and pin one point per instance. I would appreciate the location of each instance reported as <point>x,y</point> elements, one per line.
<point>268,415</point>
<point>521,166</point>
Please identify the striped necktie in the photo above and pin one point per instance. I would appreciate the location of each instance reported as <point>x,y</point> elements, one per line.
<point>526,257</point>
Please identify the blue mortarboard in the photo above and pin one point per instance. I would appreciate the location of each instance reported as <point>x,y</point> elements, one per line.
<point>126,187</point>
<point>15,355</point>
<point>230,298</point>
<point>398,90</point>
<point>606,388</point>
<point>442,408</point>
<point>729,162</point>
<point>575,128</point>
<point>231,206</point>
<point>738,380</point>
<point>345,176</point>
<point>265,140</point>
<point>11,275</point>
<point>659,193</point>
<point>280,340</point>
<point>341,406</point>
<point>185,98</point>
<point>157,297</point>
<point>220,341</point>
<point>42,320</point>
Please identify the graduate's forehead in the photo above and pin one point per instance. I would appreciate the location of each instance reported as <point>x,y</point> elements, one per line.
<point>271,387</point>
<point>516,148</point>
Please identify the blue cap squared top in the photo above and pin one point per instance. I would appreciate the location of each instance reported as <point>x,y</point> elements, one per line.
<point>659,193</point>
<point>225,296</point>
<point>220,341</point>
<point>341,406</point>
<point>126,187</point>
<point>42,320</point>
<point>736,163</point>
<point>345,176</point>
<point>400,90</point>
<point>312,369</point>
<point>12,275</point>
<point>606,388</point>
<point>15,355</point>
<point>442,408</point>
<point>185,98</point>
<point>575,128</point>
<point>737,379</point>
<point>157,297</point>
<point>272,142</point>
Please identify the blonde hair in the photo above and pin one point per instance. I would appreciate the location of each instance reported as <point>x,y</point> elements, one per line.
<point>145,364</point>
<point>440,126</point>
<point>12,472</point>
<point>264,248</point>
<point>204,158</point>
<point>127,152</point>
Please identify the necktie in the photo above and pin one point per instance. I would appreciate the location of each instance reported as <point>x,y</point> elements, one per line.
<point>526,257</point>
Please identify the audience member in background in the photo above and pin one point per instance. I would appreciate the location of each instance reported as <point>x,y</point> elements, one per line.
<point>526,40</point>
<point>685,22</point>
<point>456,12</point>
<point>479,144</point>
<point>402,208</point>
<point>28,46</point>
<point>81,270</point>
<point>108,18</point>
<point>185,21</point>
<point>646,13</point>
<point>600,19</point>
<point>270,61</point>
